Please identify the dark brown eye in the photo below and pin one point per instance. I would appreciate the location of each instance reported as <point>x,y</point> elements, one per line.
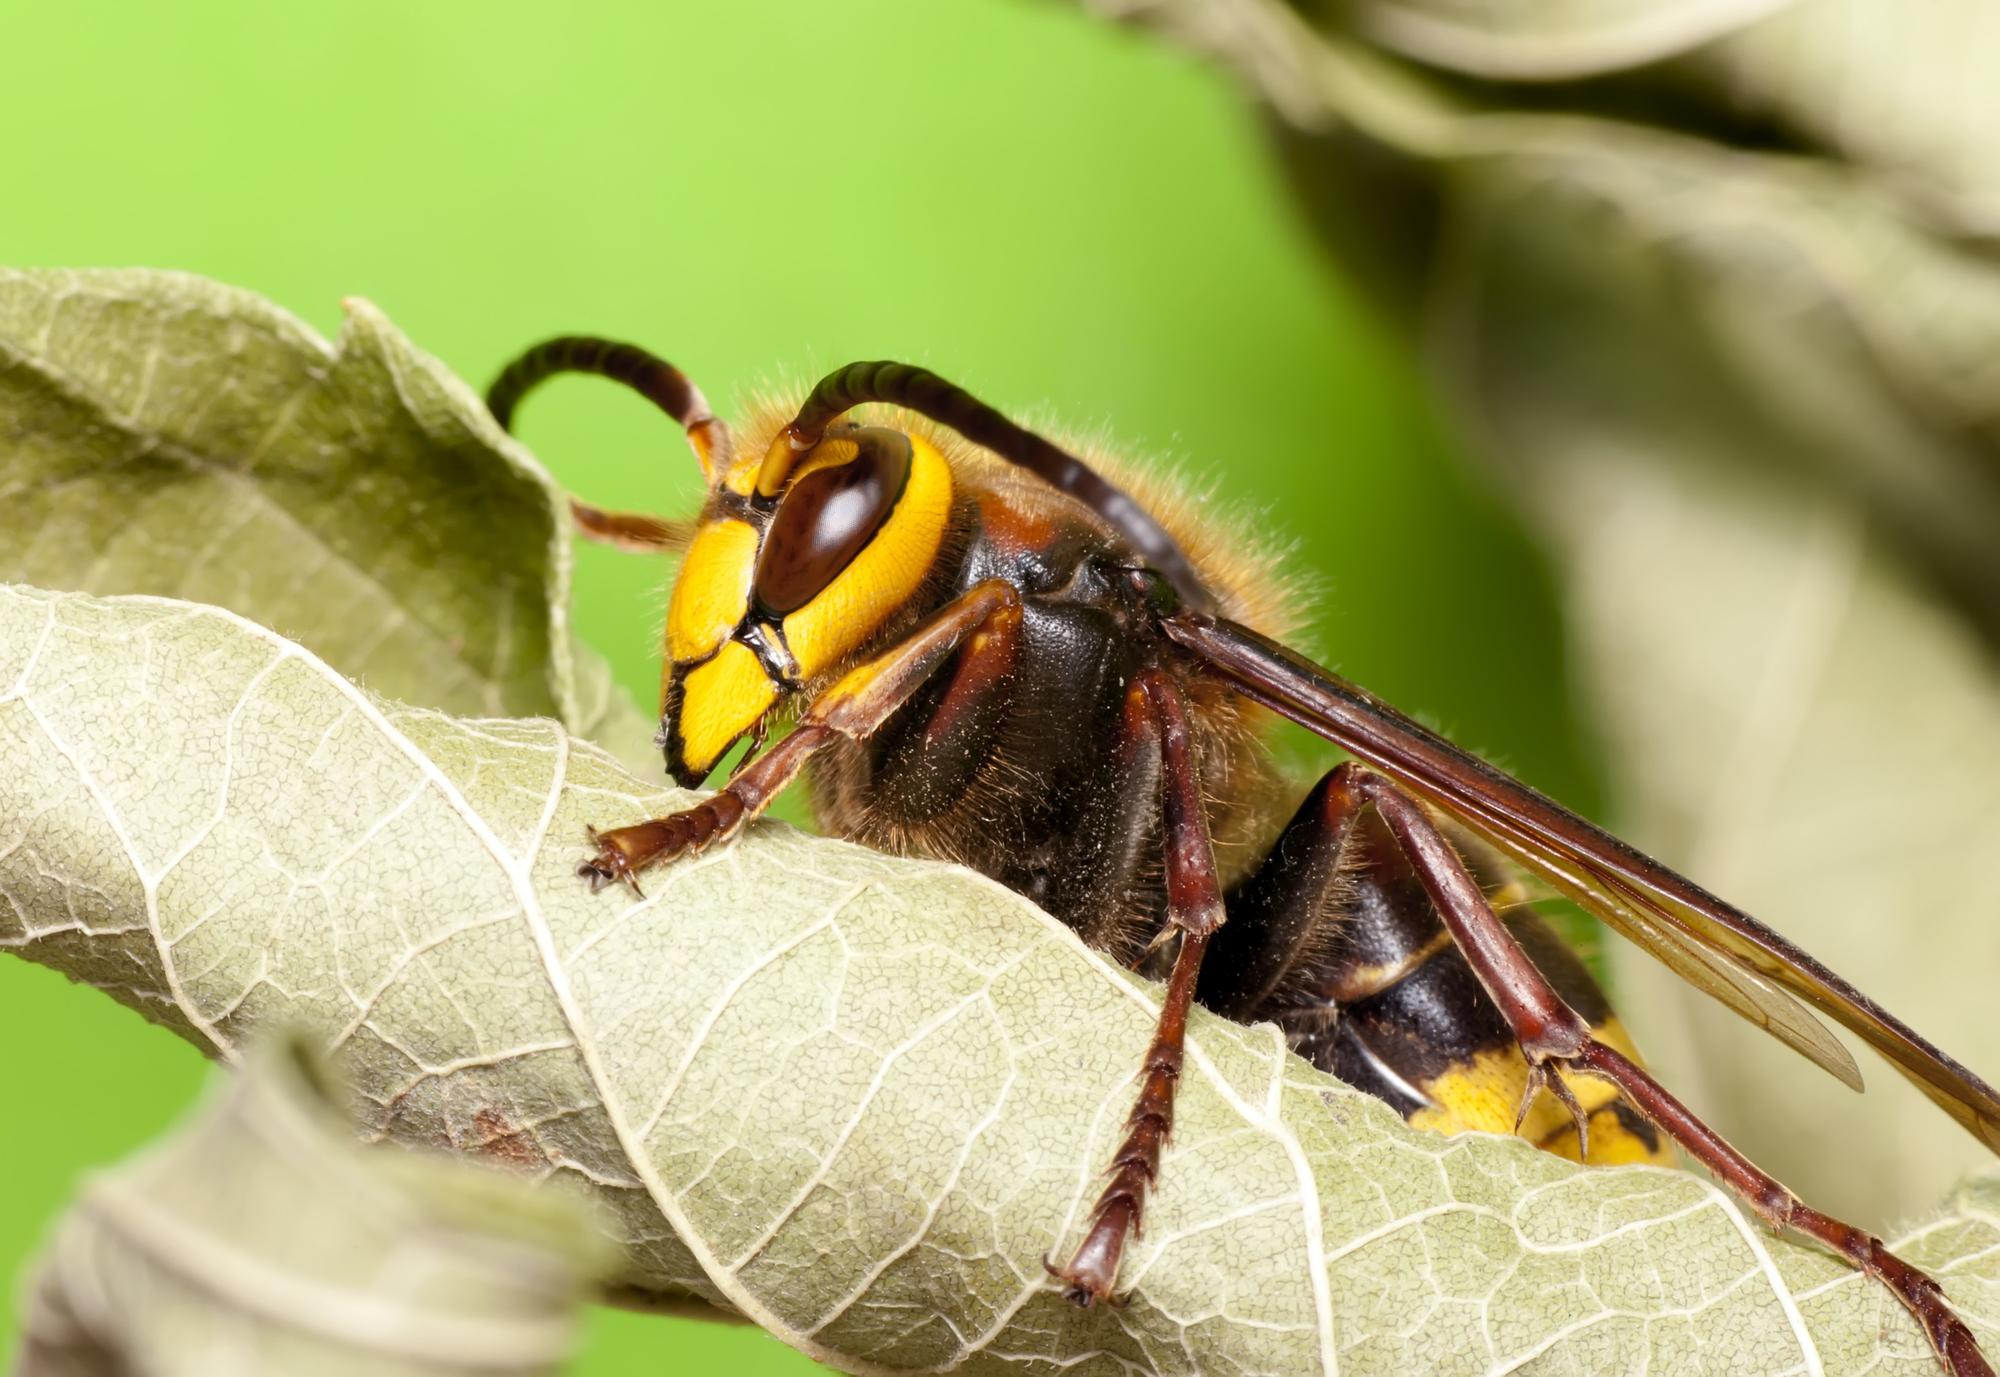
<point>828,517</point>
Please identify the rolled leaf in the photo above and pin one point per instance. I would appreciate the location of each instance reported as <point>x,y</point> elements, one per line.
<point>856,1098</point>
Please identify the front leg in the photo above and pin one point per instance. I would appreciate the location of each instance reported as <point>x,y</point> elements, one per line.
<point>633,532</point>
<point>987,615</point>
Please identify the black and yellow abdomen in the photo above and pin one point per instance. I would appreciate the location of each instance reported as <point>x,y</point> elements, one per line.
<point>1400,1014</point>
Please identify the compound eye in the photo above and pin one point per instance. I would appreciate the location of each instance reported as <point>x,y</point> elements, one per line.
<point>828,516</point>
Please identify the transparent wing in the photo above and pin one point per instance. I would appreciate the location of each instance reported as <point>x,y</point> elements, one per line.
<point>1716,947</point>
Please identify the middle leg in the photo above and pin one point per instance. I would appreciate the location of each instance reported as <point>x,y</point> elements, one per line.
<point>1194,911</point>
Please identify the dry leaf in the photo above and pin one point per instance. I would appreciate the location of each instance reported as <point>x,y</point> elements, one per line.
<point>160,433</point>
<point>854,1097</point>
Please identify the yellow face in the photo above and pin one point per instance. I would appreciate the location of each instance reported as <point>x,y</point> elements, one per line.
<point>774,592</point>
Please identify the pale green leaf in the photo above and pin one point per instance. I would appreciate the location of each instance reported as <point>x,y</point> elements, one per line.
<point>261,1238</point>
<point>854,1097</point>
<point>160,433</point>
<point>1903,93</point>
<point>1801,304</point>
<point>1776,316</point>
<point>1907,92</point>
<point>1543,40</point>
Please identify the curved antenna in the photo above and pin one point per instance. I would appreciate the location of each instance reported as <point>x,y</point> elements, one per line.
<point>924,392</point>
<point>651,376</point>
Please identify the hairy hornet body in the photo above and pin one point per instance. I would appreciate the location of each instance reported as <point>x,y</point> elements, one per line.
<point>1013,759</point>
<point>1030,662</point>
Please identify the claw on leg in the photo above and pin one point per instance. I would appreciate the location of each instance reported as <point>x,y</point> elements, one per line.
<point>624,851</point>
<point>608,866</point>
<point>1088,1279</point>
<point>1541,1078</point>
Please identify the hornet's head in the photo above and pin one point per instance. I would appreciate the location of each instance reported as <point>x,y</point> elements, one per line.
<point>800,557</point>
<point>805,552</point>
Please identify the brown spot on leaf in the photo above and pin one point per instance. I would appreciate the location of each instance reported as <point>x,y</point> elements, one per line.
<point>499,1139</point>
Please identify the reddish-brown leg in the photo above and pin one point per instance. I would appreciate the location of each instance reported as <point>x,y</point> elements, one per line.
<point>1553,1036</point>
<point>1194,909</point>
<point>854,707</point>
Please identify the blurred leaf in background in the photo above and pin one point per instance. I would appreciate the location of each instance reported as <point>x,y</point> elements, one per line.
<point>260,1238</point>
<point>1716,289</point>
<point>758,190</point>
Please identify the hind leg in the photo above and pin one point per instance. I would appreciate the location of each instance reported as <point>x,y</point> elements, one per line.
<point>1554,1037</point>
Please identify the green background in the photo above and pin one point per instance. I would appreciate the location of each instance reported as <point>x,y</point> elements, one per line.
<point>1057,214</point>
